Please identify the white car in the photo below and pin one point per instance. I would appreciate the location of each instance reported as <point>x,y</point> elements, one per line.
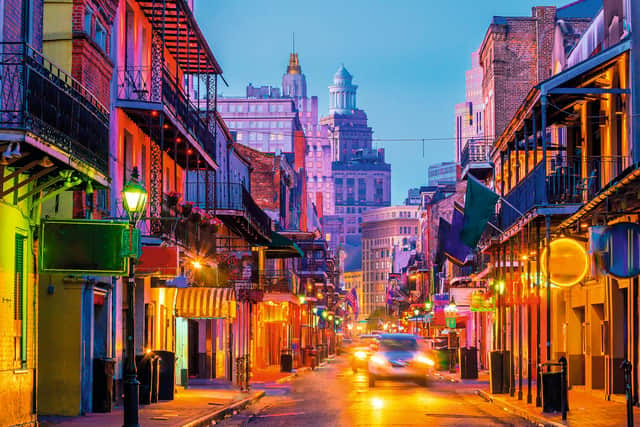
<point>399,357</point>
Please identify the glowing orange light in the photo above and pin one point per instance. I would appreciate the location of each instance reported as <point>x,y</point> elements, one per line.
<point>189,151</point>
<point>569,262</point>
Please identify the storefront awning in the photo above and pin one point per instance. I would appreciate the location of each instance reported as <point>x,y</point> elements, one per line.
<point>282,247</point>
<point>206,303</point>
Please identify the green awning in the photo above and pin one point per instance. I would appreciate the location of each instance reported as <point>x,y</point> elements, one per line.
<point>282,247</point>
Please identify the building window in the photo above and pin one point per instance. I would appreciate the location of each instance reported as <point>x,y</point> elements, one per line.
<point>101,36</point>
<point>280,108</point>
<point>20,339</point>
<point>88,13</point>
<point>252,108</point>
<point>362,190</point>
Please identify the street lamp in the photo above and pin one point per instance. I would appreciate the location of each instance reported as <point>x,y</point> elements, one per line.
<point>134,201</point>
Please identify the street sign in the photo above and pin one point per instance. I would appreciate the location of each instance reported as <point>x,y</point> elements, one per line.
<point>83,247</point>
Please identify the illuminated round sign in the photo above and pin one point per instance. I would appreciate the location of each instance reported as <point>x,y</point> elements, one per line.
<point>621,242</point>
<point>569,262</point>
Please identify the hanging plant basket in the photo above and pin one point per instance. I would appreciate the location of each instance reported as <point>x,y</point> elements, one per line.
<point>173,199</point>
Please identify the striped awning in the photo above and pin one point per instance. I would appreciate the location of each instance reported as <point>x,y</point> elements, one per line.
<point>206,303</point>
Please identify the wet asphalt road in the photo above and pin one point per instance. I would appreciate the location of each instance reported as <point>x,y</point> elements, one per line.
<point>333,396</point>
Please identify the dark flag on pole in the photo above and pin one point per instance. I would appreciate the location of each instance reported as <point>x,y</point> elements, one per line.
<point>455,249</point>
<point>479,205</point>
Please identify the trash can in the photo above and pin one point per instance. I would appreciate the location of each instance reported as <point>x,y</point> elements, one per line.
<point>552,392</point>
<point>468,363</point>
<point>103,370</point>
<point>310,357</point>
<point>148,378</point>
<point>286,360</point>
<point>184,378</point>
<point>166,374</point>
<point>499,368</point>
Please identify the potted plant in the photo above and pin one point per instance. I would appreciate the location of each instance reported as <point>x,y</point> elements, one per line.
<point>196,214</point>
<point>186,207</point>
<point>173,198</point>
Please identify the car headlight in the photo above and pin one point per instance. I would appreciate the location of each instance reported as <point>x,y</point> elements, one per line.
<point>377,360</point>
<point>425,360</point>
<point>360,355</point>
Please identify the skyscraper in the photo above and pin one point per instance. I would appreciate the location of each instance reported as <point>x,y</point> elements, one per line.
<point>361,178</point>
<point>267,118</point>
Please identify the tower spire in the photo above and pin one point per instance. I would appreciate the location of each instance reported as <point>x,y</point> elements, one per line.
<point>294,65</point>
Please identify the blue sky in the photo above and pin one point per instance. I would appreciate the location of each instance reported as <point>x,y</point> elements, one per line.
<point>408,58</point>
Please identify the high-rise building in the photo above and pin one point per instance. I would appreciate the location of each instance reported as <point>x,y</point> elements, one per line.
<point>469,114</point>
<point>384,231</point>
<point>361,178</point>
<point>442,173</point>
<point>264,124</point>
<point>266,120</point>
<point>413,197</point>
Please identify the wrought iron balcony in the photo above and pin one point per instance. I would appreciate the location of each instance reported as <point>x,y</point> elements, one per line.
<point>234,205</point>
<point>155,89</point>
<point>563,181</point>
<point>476,158</point>
<point>313,265</point>
<point>278,281</point>
<point>38,97</point>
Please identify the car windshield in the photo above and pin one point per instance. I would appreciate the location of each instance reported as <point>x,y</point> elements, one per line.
<point>398,344</point>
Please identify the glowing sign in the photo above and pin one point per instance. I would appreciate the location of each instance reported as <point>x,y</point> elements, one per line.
<point>621,243</point>
<point>569,262</point>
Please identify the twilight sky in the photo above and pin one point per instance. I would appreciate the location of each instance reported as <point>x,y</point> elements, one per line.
<point>408,58</point>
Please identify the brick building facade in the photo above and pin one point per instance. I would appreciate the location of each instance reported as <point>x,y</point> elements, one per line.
<point>514,55</point>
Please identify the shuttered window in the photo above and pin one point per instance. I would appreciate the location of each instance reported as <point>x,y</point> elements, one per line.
<point>19,303</point>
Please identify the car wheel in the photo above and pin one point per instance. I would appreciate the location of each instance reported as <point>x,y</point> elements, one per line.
<point>422,382</point>
<point>372,381</point>
<point>354,369</point>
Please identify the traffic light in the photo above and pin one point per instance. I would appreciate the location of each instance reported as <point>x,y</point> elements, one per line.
<point>428,305</point>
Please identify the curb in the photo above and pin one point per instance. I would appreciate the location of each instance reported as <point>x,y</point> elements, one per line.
<point>205,420</point>
<point>449,378</point>
<point>516,410</point>
<point>293,375</point>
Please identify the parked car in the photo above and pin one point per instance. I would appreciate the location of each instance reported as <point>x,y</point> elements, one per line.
<point>400,357</point>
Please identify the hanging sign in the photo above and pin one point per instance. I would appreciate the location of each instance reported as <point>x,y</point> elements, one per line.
<point>482,302</point>
<point>621,244</point>
<point>569,262</point>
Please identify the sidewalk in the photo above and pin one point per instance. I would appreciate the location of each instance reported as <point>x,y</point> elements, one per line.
<point>272,374</point>
<point>586,409</point>
<point>193,407</point>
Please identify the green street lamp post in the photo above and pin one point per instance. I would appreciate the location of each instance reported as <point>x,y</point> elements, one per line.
<point>134,201</point>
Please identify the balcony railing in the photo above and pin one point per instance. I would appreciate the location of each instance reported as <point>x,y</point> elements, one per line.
<point>37,96</point>
<point>277,281</point>
<point>564,181</point>
<point>313,265</point>
<point>475,152</point>
<point>158,86</point>
<point>230,196</point>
